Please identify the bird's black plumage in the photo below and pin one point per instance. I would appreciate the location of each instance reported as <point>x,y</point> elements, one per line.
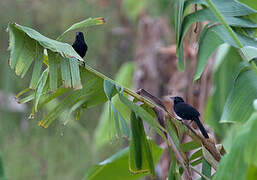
<point>187,112</point>
<point>80,45</point>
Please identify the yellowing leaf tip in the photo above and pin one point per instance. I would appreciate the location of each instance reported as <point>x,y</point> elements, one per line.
<point>101,20</point>
<point>42,124</point>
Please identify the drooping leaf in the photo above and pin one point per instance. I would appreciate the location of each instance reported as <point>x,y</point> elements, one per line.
<point>83,24</point>
<point>53,70</point>
<point>75,75</point>
<point>238,106</point>
<point>228,35</point>
<point>207,15</point>
<point>59,109</point>
<point>116,118</point>
<point>74,107</point>
<point>92,91</point>
<point>208,42</point>
<point>143,115</point>
<point>23,50</point>
<point>149,156</point>
<point>66,74</point>
<point>51,96</point>
<point>37,66</point>
<point>242,155</point>
<point>116,167</point>
<point>108,89</point>
<point>124,77</point>
<point>39,89</point>
<point>135,147</point>
<point>140,158</point>
<point>178,12</point>
<point>91,94</point>
<point>26,58</point>
<point>124,125</point>
<point>26,33</point>
<point>178,15</point>
<point>217,37</point>
<point>198,16</point>
<point>16,43</point>
<point>228,14</point>
<point>181,58</point>
<point>226,61</point>
<point>109,120</point>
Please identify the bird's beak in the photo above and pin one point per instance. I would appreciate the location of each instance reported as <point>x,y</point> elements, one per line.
<point>77,33</point>
<point>172,98</point>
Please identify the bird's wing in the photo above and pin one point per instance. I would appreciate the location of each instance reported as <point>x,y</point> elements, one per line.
<point>186,111</point>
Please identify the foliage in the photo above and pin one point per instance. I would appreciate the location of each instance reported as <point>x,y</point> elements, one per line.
<point>116,167</point>
<point>227,59</point>
<point>242,155</point>
<point>59,73</point>
<point>19,134</point>
<point>234,76</point>
<point>124,77</point>
<point>90,86</point>
<point>225,27</point>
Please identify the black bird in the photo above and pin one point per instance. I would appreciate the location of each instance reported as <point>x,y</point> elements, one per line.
<point>187,112</point>
<point>79,44</point>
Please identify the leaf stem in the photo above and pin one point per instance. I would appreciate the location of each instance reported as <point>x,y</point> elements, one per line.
<point>208,146</point>
<point>126,90</point>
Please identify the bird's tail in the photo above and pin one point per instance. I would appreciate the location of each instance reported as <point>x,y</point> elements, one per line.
<point>202,129</point>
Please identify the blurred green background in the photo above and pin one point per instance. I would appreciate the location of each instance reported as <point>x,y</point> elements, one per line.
<point>63,152</point>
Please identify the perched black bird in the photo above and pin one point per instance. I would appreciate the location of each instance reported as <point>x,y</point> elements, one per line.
<point>187,112</point>
<point>79,44</point>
